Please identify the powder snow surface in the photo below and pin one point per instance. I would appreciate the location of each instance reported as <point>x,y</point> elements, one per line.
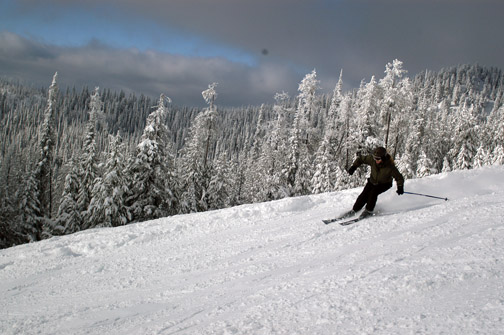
<point>423,266</point>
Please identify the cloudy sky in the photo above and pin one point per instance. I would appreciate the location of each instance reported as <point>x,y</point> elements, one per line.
<point>252,48</point>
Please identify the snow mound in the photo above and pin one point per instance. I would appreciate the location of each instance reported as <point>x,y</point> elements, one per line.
<point>422,266</point>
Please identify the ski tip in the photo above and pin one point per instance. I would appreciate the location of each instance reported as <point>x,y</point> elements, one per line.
<point>349,222</point>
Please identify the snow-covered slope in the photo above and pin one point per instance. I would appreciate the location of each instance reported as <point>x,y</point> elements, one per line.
<point>425,266</point>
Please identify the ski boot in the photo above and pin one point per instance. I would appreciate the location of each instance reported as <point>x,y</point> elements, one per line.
<point>347,215</point>
<point>366,214</point>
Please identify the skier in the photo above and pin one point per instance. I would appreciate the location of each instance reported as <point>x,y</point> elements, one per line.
<point>383,170</point>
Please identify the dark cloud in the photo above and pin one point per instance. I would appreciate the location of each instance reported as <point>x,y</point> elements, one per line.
<point>149,72</point>
<point>358,36</point>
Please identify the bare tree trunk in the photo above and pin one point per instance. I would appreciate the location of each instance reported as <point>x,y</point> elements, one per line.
<point>388,128</point>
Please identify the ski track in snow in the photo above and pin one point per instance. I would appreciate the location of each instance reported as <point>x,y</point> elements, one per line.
<point>423,266</point>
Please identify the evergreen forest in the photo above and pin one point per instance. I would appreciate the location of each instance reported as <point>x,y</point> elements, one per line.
<point>72,160</point>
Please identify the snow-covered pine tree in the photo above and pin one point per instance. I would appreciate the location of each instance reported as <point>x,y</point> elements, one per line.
<point>365,127</point>
<point>44,169</point>
<point>194,168</point>
<point>273,186</point>
<point>396,104</point>
<point>341,179</point>
<point>326,162</point>
<point>404,165</point>
<point>88,167</point>
<point>323,176</point>
<point>415,143</point>
<point>219,184</point>
<point>309,108</point>
<point>481,157</point>
<point>446,165</point>
<point>424,166</point>
<point>14,178</point>
<point>332,114</point>
<point>495,127</point>
<point>210,115</point>
<point>299,161</point>
<point>8,236</point>
<point>30,218</point>
<point>236,180</point>
<point>335,123</point>
<point>456,95</point>
<point>465,157</point>
<point>69,216</point>
<point>152,170</point>
<point>273,155</point>
<point>294,143</point>
<point>498,155</point>
<point>465,141</point>
<point>254,175</point>
<point>108,203</point>
<point>439,136</point>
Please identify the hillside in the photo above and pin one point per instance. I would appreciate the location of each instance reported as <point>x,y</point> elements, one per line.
<point>422,266</point>
<point>64,155</point>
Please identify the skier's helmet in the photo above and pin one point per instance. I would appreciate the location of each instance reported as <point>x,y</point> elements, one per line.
<point>380,153</point>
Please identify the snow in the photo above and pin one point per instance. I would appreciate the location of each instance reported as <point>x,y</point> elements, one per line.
<point>422,266</point>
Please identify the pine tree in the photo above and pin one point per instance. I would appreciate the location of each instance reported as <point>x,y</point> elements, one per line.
<point>69,216</point>
<point>440,137</point>
<point>465,142</point>
<point>44,169</point>
<point>254,172</point>
<point>404,164</point>
<point>152,170</point>
<point>464,158</point>
<point>30,218</point>
<point>324,173</point>
<point>396,103</point>
<point>219,187</point>
<point>8,234</point>
<point>337,97</point>
<point>347,141</point>
<point>415,142</point>
<point>88,168</point>
<point>424,166</point>
<point>480,159</point>
<point>495,127</point>
<point>108,203</point>
<point>299,159</point>
<point>498,155</point>
<point>273,155</point>
<point>446,165</point>
<point>271,186</point>
<point>365,129</point>
<point>304,176</point>
<point>209,119</point>
<point>194,168</point>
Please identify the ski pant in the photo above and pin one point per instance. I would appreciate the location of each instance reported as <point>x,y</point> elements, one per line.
<point>369,196</point>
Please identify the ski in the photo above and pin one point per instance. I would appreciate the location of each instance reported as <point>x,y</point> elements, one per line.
<point>349,222</point>
<point>341,220</point>
<point>331,220</point>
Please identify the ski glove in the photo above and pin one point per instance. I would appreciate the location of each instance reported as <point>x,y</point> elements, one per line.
<point>352,170</point>
<point>400,190</point>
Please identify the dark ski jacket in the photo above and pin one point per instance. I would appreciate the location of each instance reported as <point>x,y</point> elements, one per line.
<point>381,173</point>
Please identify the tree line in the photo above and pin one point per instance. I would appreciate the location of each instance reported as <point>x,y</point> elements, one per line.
<point>71,161</point>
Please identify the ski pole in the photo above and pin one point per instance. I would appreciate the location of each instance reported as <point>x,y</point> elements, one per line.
<point>426,195</point>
